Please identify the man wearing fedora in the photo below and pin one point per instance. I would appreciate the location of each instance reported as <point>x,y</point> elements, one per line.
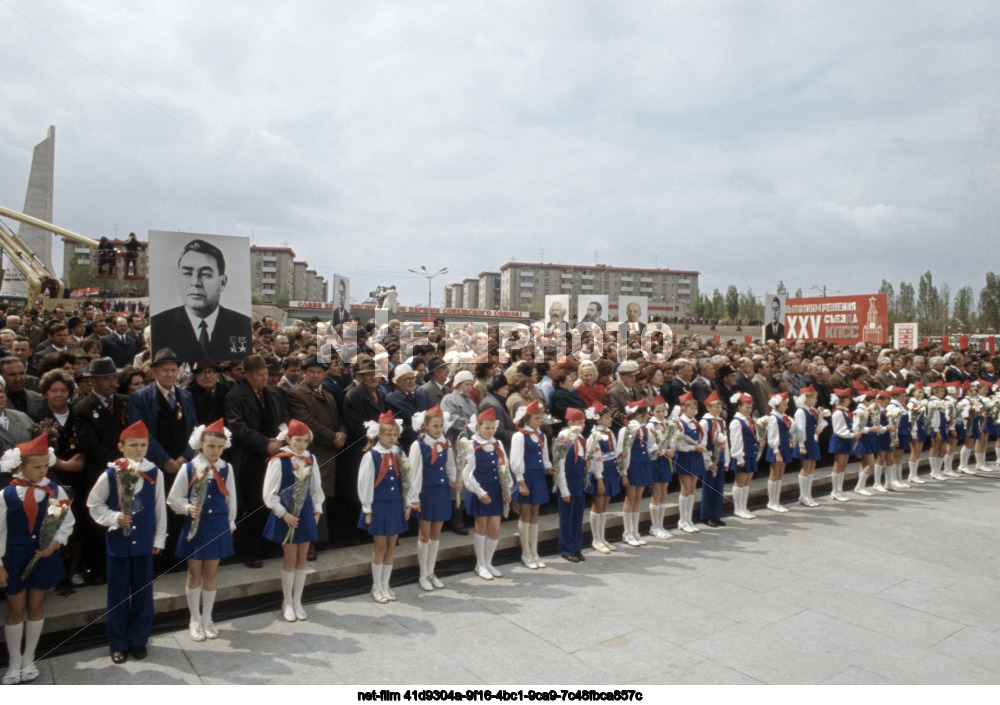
<point>254,413</point>
<point>98,419</point>
<point>434,389</point>
<point>201,326</point>
<point>208,392</point>
<point>317,408</point>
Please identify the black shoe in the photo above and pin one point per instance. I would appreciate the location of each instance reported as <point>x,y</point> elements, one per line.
<point>713,522</point>
<point>119,657</point>
<point>580,556</point>
<point>138,652</point>
<point>254,563</point>
<point>571,559</point>
<point>459,528</point>
<point>721,523</point>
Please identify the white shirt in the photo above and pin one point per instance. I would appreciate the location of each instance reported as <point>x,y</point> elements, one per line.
<point>196,322</point>
<point>417,466</point>
<point>720,426</point>
<point>517,452</point>
<point>180,491</point>
<point>685,443</point>
<point>468,478</point>
<point>598,434</point>
<point>840,427</point>
<point>272,485</point>
<point>97,504</point>
<point>774,433</point>
<point>368,472</point>
<point>736,448</point>
<point>65,529</point>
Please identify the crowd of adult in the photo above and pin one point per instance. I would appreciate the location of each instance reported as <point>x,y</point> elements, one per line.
<point>81,376</point>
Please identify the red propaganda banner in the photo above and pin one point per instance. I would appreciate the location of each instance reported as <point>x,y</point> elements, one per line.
<point>748,339</point>
<point>991,345</point>
<point>845,320</point>
<point>963,342</point>
<point>926,343</point>
<point>945,344</point>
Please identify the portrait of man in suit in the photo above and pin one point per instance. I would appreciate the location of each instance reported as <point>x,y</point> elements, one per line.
<point>342,309</point>
<point>201,327</point>
<point>632,322</point>
<point>595,314</point>
<point>775,329</point>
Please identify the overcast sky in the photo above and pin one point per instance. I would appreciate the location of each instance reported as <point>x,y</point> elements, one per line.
<point>830,143</point>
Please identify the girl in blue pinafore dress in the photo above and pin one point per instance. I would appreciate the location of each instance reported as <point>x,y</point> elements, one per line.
<point>883,441</point>
<point>385,509</point>
<point>604,482</point>
<point>866,416</point>
<point>957,434</point>
<point>841,440</point>
<point>917,416</point>
<point>291,473</point>
<point>938,428</point>
<point>983,424</point>
<point>488,484</point>
<point>213,538</point>
<point>808,424</point>
<point>432,473</point>
<point>24,506</point>
<point>689,462</point>
<point>779,449</point>
<point>904,434</point>
<point>530,464</point>
<point>743,453</point>
<point>639,475</point>
<point>660,467</point>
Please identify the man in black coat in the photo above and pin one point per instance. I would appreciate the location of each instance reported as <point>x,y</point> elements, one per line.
<point>118,345</point>
<point>681,383</point>
<point>254,413</point>
<point>201,327</point>
<point>207,391</point>
<point>363,402</point>
<point>99,418</point>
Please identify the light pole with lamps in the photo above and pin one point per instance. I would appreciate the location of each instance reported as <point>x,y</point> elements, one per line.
<point>430,277</point>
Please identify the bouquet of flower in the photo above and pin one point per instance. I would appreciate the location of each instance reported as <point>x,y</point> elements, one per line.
<point>860,422</point>
<point>560,449</point>
<point>916,409</point>
<point>622,459</point>
<point>591,454</point>
<point>718,443</point>
<point>893,414</point>
<point>952,414</point>
<point>50,427</point>
<point>54,518</point>
<point>933,407</point>
<point>126,475</point>
<point>657,435</point>
<point>505,486</point>
<point>404,473</point>
<point>466,450</point>
<point>763,423</point>
<point>301,470</point>
<point>991,408</point>
<point>199,487</point>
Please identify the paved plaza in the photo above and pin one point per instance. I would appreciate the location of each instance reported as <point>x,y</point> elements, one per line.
<point>890,589</point>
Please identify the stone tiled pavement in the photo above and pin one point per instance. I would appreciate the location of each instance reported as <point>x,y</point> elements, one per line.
<point>890,589</point>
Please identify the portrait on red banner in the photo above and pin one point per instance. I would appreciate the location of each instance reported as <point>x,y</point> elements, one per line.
<point>845,320</point>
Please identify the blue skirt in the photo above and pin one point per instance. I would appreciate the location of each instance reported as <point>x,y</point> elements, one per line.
<point>435,503</point>
<point>865,445</point>
<point>884,443</point>
<point>769,456</point>
<point>977,430</point>
<point>960,429</point>
<point>921,434</point>
<point>640,474</point>
<point>388,518</point>
<point>812,451</point>
<point>475,508</point>
<point>903,443</point>
<point>661,470</point>
<point>276,529</point>
<point>213,541</point>
<point>46,575</point>
<point>840,446</point>
<point>691,464</point>
<point>612,482</point>
<point>749,464</point>
<point>538,488</point>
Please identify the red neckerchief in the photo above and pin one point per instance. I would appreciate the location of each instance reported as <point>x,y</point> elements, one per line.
<point>436,447</point>
<point>30,503</point>
<point>701,431</point>
<point>787,421</point>
<point>815,414</point>
<point>608,437</point>
<point>847,413</point>
<point>388,461</point>
<point>218,480</point>
<point>752,425</point>
<point>501,458</point>
<point>532,434</point>
<point>578,444</point>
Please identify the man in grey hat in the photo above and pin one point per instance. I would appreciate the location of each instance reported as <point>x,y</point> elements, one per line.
<point>434,389</point>
<point>623,392</point>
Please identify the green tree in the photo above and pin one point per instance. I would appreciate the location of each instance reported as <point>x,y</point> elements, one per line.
<point>733,302</point>
<point>281,300</point>
<point>989,302</point>
<point>750,308</point>
<point>962,311</point>
<point>906,308</point>
<point>782,289</point>
<point>718,304</point>
<point>798,293</point>
<point>887,289</point>
<point>930,310</point>
<point>702,307</point>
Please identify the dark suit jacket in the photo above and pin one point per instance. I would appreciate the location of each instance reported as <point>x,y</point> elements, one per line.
<point>172,329</point>
<point>143,405</point>
<point>678,388</point>
<point>251,431</point>
<point>618,397</point>
<point>772,332</point>
<point>624,326</point>
<point>122,353</point>
<point>340,315</point>
<point>505,425</point>
<point>97,430</point>
<point>403,407</point>
<point>322,417</point>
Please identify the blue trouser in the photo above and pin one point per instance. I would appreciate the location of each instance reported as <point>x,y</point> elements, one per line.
<point>130,601</point>
<point>571,525</point>
<point>712,489</point>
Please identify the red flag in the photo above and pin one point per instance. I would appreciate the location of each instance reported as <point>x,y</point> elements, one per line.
<point>944,344</point>
<point>963,342</point>
<point>991,343</point>
<point>926,343</point>
<point>748,339</point>
<point>718,339</point>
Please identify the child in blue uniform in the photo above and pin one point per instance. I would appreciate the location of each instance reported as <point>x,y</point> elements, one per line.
<point>743,452</point>
<point>639,475</point>
<point>917,414</point>
<point>689,463</point>
<point>807,426</point>
<point>212,541</point>
<point>982,424</point>
<point>432,473</point>
<point>132,541</point>
<point>883,441</point>
<point>660,461</point>
<point>779,449</point>
<point>937,428</point>
<point>603,474</point>
<point>24,506</point>
<point>713,483</point>
<point>904,433</point>
<point>956,435</point>
<point>529,463</point>
<point>841,440</point>
<point>571,474</point>
<point>292,475</point>
<point>488,485</point>
<point>866,415</point>
<point>384,508</point>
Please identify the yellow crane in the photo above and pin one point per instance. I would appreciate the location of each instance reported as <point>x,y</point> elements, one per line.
<point>23,257</point>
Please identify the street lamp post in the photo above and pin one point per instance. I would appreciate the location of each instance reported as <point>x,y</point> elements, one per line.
<point>430,277</point>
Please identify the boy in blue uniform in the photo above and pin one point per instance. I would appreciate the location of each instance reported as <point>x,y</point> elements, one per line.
<point>572,472</point>
<point>132,540</point>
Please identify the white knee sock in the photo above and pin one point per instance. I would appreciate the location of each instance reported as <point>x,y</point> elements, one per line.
<point>422,549</point>
<point>690,510</point>
<point>207,604</point>
<point>838,482</point>
<point>386,572</point>
<point>432,554</point>
<point>963,457</point>
<point>194,601</point>
<point>479,544</point>
<point>913,469</point>
<point>490,549</point>
<point>981,459</point>
<point>738,499</point>
<point>603,516</point>
<point>533,540</point>
<point>12,634</point>
<point>524,534</point>
<point>376,576</point>
<point>681,511</point>
<point>287,583</point>
<point>803,487</point>
<point>595,526</point>
<point>626,524</point>
<point>773,491</point>
<point>878,476</point>
<point>32,631</point>
<point>809,486</point>
<point>949,460</point>
<point>862,480</point>
<point>300,585</point>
